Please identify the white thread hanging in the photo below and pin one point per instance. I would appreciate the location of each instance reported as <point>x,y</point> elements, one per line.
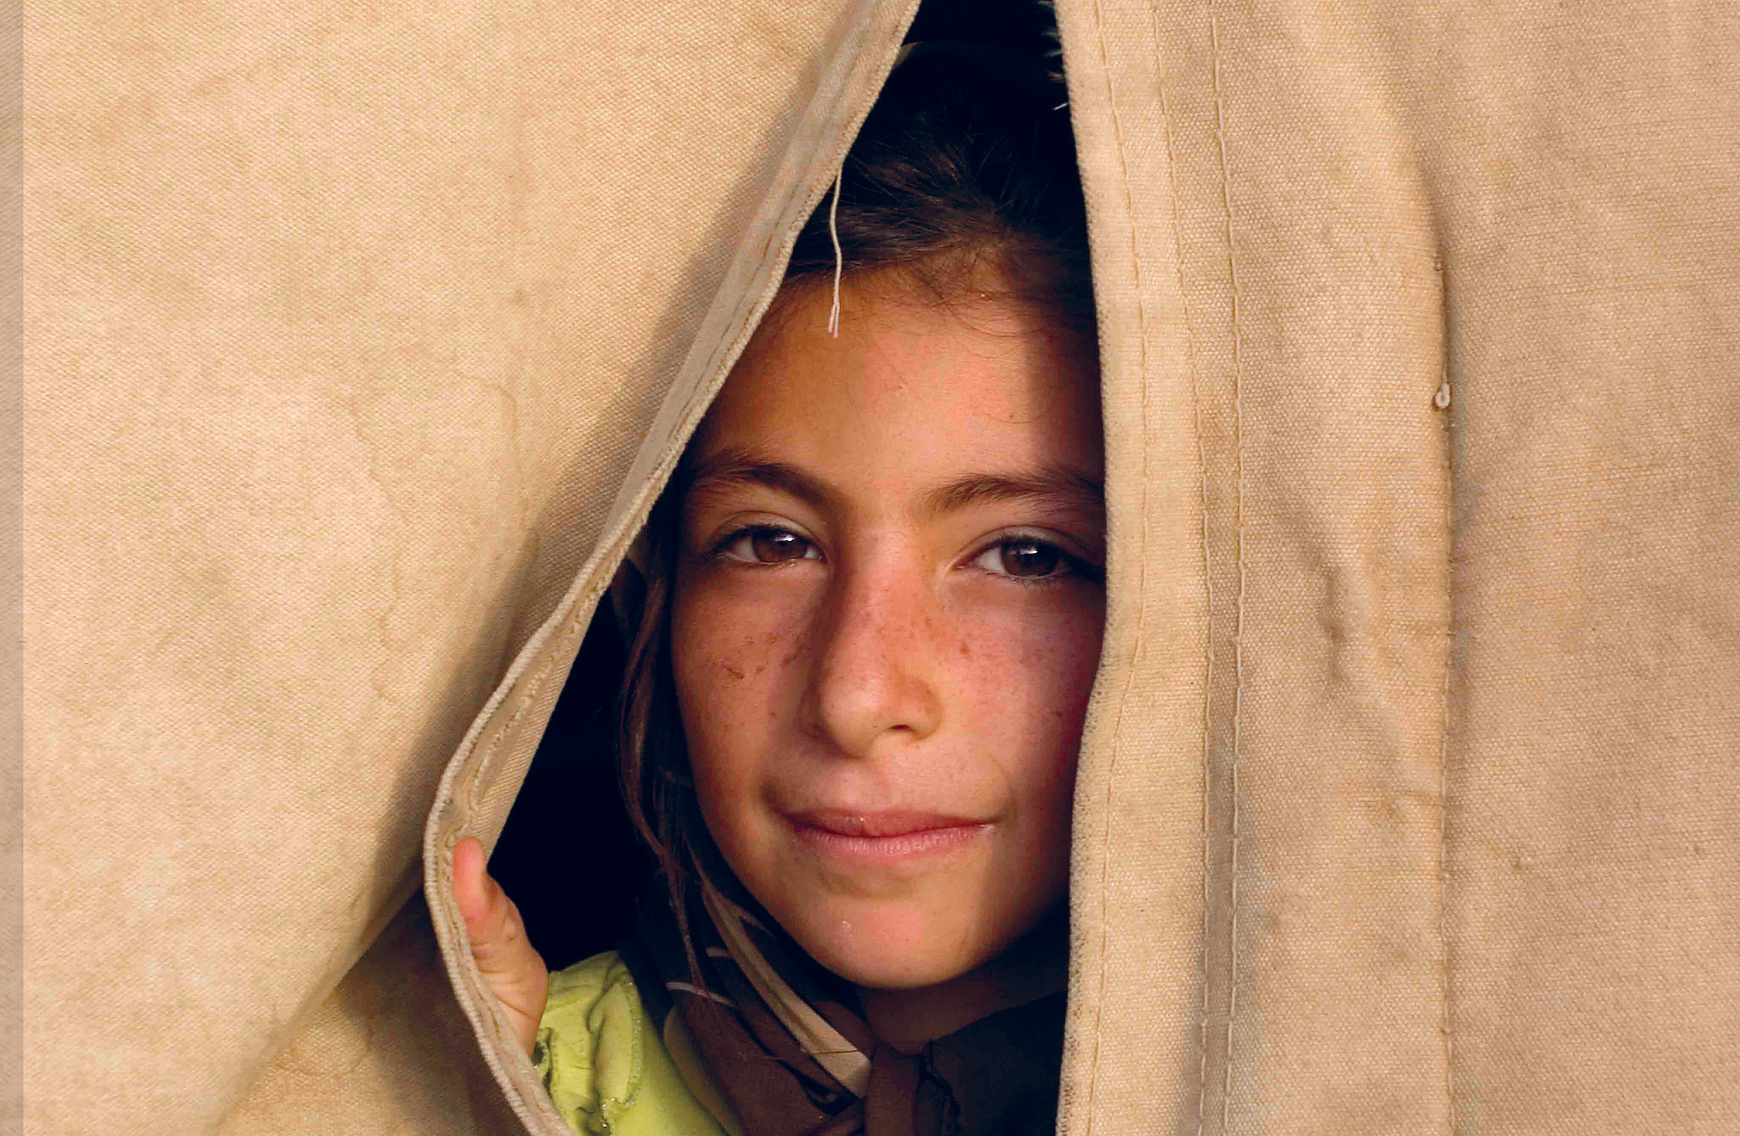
<point>839,257</point>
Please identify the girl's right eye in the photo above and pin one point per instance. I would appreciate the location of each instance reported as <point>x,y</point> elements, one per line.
<point>765,545</point>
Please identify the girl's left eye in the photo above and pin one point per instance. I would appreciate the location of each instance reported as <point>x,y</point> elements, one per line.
<point>763,545</point>
<point>1025,558</point>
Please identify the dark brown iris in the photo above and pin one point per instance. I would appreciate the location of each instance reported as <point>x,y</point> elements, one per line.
<point>1029,559</point>
<point>772,546</point>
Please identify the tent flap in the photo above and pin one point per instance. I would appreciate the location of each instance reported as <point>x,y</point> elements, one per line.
<point>358,339</point>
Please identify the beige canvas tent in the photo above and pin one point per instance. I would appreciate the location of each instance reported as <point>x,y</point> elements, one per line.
<point>357,338</point>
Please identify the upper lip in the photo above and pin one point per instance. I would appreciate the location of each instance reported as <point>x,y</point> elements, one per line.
<point>846,822</point>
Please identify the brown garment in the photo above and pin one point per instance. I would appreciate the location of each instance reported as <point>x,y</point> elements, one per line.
<point>788,1047</point>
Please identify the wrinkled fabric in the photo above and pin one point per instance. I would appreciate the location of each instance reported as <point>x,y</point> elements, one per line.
<point>358,338</point>
<point>342,323</point>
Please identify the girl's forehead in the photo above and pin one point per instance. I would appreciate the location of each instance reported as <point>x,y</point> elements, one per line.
<point>912,386</point>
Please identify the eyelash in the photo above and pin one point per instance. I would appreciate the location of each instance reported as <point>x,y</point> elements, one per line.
<point>720,547</point>
<point>1068,565</point>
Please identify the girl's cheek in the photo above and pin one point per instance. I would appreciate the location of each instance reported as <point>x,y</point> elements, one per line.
<point>730,645</point>
<point>1061,667</point>
<point>1049,632</point>
<point>1033,663</point>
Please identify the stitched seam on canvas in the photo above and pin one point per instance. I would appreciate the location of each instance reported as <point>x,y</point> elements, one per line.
<point>532,685</point>
<point>1190,354</point>
<point>1142,562</point>
<point>1239,620</point>
<point>1444,728</point>
<point>517,1076</point>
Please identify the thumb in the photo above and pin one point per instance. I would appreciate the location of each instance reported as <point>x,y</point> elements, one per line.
<point>513,970</point>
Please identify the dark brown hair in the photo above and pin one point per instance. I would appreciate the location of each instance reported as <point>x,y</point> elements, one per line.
<point>967,158</point>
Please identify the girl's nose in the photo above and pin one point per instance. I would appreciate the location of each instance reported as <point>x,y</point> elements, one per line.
<point>875,673</point>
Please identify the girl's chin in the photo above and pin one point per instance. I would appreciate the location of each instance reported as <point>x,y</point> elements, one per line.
<point>880,952</point>
<point>897,974</point>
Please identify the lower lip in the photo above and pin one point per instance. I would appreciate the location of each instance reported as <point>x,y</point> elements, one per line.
<point>916,845</point>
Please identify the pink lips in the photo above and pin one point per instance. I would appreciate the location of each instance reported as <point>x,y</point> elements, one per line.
<point>883,837</point>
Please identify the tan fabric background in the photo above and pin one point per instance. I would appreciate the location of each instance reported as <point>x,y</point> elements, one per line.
<point>341,319</point>
<point>1460,842</point>
<point>1406,800</point>
<point>11,587</point>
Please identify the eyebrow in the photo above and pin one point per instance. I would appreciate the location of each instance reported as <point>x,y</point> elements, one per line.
<point>1074,489</point>
<point>730,468</point>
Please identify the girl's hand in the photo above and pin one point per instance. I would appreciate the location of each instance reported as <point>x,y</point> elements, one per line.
<point>515,972</point>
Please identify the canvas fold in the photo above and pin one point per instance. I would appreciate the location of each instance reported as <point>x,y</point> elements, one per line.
<point>358,343</point>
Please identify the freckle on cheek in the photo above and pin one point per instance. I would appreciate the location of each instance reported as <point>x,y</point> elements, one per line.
<point>966,651</point>
<point>736,675</point>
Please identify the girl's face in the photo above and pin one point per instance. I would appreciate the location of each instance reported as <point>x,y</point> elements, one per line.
<point>886,622</point>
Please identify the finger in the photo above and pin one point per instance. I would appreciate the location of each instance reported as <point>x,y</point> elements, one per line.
<point>504,956</point>
<point>471,884</point>
<point>492,922</point>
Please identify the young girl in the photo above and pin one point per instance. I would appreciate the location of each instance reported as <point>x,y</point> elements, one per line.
<point>871,623</point>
